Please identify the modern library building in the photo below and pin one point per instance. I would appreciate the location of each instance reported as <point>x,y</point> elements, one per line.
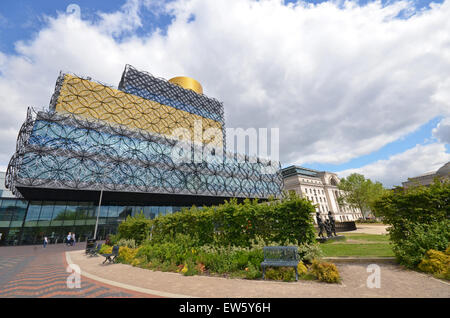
<point>100,154</point>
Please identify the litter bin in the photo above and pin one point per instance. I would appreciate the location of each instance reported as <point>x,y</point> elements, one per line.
<point>90,244</point>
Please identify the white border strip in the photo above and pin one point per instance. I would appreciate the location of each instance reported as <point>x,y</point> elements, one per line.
<point>126,286</point>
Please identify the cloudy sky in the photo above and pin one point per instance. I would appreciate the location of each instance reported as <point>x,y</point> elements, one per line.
<point>353,86</point>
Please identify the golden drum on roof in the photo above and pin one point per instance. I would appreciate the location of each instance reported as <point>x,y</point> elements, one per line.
<point>187,83</point>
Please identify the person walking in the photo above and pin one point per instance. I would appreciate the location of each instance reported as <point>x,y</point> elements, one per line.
<point>73,239</point>
<point>69,239</point>
<point>45,241</point>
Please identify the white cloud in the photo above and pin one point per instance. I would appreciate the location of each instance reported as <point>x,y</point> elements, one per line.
<point>442,131</point>
<point>3,21</point>
<point>398,168</point>
<point>125,20</point>
<point>338,82</point>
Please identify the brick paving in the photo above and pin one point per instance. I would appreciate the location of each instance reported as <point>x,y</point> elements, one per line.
<point>395,282</point>
<point>32,271</point>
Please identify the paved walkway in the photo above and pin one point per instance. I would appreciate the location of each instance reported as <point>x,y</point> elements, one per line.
<point>32,271</point>
<point>395,282</point>
<point>369,229</point>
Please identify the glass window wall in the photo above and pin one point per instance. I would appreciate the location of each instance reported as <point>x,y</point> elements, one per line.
<point>27,222</point>
<point>32,217</point>
<point>19,214</point>
<point>59,214</point>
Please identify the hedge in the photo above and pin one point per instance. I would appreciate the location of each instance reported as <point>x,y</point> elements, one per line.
<point>239,224</point>
<point>419,219</point>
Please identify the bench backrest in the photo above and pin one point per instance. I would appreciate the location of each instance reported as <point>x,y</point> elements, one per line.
<point>90,245</point>
<point>115,250</point>
<point>280,253</point>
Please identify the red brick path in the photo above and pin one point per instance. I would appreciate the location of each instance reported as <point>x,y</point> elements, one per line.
<point>32,271</point>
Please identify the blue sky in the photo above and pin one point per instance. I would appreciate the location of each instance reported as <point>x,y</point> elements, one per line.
<point>407,135</point>
<point>423,135</point>
<point>20,20</point>
<point>25,18</point>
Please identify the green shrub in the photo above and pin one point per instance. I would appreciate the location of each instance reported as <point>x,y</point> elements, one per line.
<point>229,259</point>
<point>416,205</point>
<point>241,224</point>
<point>419,238</point>
<point>419,219</point>
<point>191,269</point>
<point>183,252</point>
<point>252,271</point>
<point>167,252</point>
<point>184,255</point>
<point>167,267</point>
<point>436,263</point>
<point>135,228</point>
<point>286,274</point>
<point>105,249</point>
<point>309,252</point>
<point>124,242</point>
<point>113,239</point>
<point>126,255</point>
<point>325,272</point>
<point>301,269</point>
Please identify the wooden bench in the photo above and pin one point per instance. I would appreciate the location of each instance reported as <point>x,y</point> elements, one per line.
<point>111,257</point>
<point>280,256</point>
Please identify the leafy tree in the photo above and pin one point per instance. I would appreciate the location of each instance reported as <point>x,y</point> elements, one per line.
<point>136,228</point>
<point>418,205</point>
<point>359,192</point>
<point>419,219</point>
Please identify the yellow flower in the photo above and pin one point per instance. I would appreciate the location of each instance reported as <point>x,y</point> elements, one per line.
<point>185,269</point>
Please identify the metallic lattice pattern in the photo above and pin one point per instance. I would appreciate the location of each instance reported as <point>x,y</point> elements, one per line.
<point>95,101</point>
<point>96,137</point>
<point>147,86</point>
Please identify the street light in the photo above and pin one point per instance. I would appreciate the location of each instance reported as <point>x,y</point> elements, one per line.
<point>98,210</point>
<point>98,214</point>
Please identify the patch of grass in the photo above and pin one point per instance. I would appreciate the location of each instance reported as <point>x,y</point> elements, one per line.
<point>368,237</point>
<point>362,250</point>
<point>359,244</point>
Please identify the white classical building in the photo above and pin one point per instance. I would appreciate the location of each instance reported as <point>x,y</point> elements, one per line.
<point>320,187</point>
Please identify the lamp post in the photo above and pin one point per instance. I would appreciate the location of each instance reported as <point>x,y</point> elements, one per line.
<point>98,213</point>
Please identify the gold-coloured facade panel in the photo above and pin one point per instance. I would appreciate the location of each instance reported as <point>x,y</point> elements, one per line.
<point>187,83</point>
<point>92,100</point>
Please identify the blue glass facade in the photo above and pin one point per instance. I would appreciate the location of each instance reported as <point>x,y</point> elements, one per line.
<point>27,222</point>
